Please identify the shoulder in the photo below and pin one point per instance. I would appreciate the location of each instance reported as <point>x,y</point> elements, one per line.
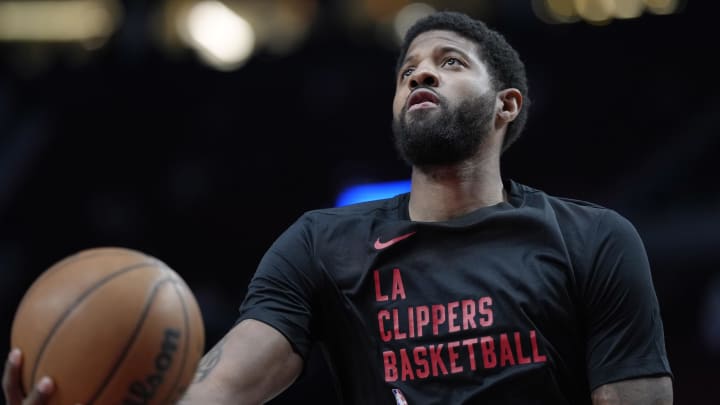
<point>390,208</point>
<point>330,224</point>
<point>585,226</point>
<point>341,233</point>
<point>571,212</point>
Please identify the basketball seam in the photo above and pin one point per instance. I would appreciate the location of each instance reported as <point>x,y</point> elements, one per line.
<point>131,340</point>
<point>187,345</point>
<point>74,305</point>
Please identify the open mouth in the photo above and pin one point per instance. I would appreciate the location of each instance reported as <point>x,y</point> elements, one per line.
<point>422,98</point>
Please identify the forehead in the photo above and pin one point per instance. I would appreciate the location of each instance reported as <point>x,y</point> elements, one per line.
<point>430,40</point>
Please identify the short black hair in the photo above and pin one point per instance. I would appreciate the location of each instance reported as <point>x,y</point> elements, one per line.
<point>503,61</point>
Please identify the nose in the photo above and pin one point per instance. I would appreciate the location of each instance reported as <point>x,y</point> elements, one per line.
<point>424,77</point>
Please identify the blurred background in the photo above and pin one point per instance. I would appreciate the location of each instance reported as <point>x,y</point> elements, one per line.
<point>198,130</point>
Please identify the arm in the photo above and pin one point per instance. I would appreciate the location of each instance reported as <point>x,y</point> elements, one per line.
<point>250,365</point>
<point>641,391</point>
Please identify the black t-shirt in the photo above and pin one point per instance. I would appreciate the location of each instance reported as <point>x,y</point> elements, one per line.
<point>536,300</point>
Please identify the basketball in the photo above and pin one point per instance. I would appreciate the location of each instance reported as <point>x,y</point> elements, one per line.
<point>109,326</point>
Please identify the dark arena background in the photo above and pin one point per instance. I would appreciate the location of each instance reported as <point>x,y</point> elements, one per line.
<point>197,131</point>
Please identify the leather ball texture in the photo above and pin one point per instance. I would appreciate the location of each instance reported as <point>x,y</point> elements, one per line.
<point>109,325</point>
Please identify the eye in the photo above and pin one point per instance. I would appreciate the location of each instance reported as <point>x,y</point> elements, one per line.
<point>406,73</point>
<point>452,62</point>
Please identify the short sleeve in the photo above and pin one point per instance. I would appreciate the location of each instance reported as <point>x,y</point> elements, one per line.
<point>625,337</point>
<point>281,292</point>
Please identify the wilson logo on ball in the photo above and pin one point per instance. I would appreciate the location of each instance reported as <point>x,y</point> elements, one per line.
<point>141,392</point>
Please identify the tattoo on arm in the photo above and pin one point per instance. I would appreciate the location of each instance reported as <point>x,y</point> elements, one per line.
<point>208,362</point>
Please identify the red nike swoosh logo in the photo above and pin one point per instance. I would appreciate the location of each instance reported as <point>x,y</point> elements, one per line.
<point>382,245</point>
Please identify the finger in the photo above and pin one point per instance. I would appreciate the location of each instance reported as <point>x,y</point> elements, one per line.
<point>12,386</point>
<point>41,394</point>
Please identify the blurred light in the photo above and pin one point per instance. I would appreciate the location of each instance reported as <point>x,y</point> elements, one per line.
<point>626,9</point>
<point>595,11</point>
<point>662,6</point>
<point>281,25</point>
<point>222,38</point>
<point>380,10</point>
<point>371,192</point>
<point>278,26</point>
<point>408,15</point>
<point>599,11</point>
<point>58,21</point>
<point>561,10</point>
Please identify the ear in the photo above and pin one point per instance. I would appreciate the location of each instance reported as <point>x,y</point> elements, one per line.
<point>509,103</point>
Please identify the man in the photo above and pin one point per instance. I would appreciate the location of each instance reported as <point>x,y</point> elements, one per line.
<point>470,289</point>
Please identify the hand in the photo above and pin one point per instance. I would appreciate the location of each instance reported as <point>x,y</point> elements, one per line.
<point>12,386</point>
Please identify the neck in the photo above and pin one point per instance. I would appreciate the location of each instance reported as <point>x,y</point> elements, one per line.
<point>441,193</point>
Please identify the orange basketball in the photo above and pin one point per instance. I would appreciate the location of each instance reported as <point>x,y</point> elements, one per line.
<point>110,326</point>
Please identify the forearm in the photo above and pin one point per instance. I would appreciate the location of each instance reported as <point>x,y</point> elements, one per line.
<point>250,365</point>
<point>641,391</point>
<point>204,390</point>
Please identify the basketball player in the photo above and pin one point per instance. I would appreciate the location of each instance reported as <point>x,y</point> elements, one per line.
<point>470,289</point>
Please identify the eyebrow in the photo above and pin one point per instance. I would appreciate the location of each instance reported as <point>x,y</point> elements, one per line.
<point>441,50</point>
<point>450,48</point>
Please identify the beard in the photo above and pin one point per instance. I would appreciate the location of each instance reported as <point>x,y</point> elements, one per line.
<point>441,137</point>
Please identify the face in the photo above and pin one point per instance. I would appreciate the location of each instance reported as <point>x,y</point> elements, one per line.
<point>444,103</point>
